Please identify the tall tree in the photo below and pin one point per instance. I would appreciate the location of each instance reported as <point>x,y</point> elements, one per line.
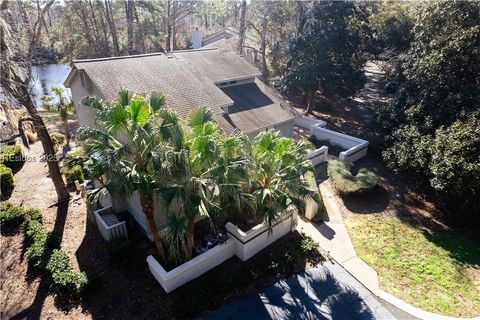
<point>439,102</point>
<point>17,85</point>
<point>129,8</point>
<point>242,29</point>
<point>326,56</point>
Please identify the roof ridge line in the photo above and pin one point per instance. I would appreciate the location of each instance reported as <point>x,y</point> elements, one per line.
<point>120,57</point>
<point>194,50</point>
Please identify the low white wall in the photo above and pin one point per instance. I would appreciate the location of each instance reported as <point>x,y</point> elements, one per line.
<point>318,156</point>
<point>307,122</point>
<point>249,243</point>
<point>242,244</point>
<point>191,269</point>
<point>112,231</point>
<point>356,148</point>
<point>311,209</point>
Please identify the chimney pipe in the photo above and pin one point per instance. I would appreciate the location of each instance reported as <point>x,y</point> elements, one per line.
<point>196,39</point>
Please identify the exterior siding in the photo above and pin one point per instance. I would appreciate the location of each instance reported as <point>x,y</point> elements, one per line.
<point>285,128</point>
<point>85,115</point>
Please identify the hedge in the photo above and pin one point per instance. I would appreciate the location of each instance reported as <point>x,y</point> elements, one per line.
<point>346,183</point>
<point>312,184</point>
<point>6,182</point>
<point>12,157</point>
<point>11,215</point>
<point>42,250</point>
<point>63,276</point>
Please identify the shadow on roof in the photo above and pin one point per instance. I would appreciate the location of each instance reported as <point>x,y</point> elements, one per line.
<point>246,96</point>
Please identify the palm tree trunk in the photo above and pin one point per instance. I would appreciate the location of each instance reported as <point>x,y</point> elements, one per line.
<point>67,130</point>
<point>191,232</point>
<point>147,206</point>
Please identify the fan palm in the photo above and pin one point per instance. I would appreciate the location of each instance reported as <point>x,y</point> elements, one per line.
<point>126,147</point>
<point>279,166</point>
<point>63,105</point>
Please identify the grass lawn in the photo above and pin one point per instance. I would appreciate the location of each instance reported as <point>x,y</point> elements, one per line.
<point>430,268</point>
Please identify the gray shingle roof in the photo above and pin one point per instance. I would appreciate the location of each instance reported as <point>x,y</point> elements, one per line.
<point>187,78</point>
<point>256,106</point>
<point>218,66</point>
<point>157,72</point>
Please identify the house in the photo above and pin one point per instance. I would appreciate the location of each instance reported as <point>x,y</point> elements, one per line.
<point>222,81</point>
<point>226,39</point>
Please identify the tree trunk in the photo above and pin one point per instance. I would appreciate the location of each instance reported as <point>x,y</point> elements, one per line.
<point>191,233</point>
<point>67,130</point>
<point>13,84</point>
<point>129,17</point>
<point>168,39</point>
<point>263,49</point>
<point>243,27</point>
<point>309,98</point>
<point>147,206</point>
<point>48,148</point>
<point>113,30</point>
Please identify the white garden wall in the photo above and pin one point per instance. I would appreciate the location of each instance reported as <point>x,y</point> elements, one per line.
<point>109,225</point>
<point>191,269</point>
<point>307,122</point>
<point>242,244</point>
<point>356,148</point>
<point>249,243</point>
<point>318,156</point>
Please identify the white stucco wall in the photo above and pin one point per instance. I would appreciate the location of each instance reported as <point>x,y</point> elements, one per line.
<point>85,115</point>
<point>286,128</point>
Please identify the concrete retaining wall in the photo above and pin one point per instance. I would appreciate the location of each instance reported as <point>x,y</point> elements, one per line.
<point>242,244</point>
<point>355,148</point>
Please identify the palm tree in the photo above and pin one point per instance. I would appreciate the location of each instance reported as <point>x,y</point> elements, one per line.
<point>279,167</point>
<point>127,147</point>
<point>63,105</point>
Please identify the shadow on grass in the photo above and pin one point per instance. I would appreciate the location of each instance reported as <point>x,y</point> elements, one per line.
<point>463,250</point>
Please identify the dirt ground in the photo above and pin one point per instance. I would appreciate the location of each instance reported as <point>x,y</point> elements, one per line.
<point>123,286</point>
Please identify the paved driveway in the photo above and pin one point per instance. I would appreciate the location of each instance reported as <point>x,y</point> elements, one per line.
<point>326,292</point>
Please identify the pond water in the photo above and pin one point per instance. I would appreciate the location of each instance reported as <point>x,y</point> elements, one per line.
<point>45,77</point>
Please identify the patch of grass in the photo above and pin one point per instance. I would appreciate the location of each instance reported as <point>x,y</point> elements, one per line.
<point>435,270</point>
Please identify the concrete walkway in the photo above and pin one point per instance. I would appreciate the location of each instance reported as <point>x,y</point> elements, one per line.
<point>325,292</point>
<point>333,238</point>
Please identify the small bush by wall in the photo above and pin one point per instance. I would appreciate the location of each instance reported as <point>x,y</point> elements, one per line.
<point>312,183</point>
<point>346,183</point>
<point>73,173</point>
<point>58,139</point>
<point>11,157</point>
<point>6,182</point>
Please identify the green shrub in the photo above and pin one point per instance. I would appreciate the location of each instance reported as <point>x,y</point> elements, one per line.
<point>38,253</point>
<point>308,245</point>
<point>6,182</point>
<point>346,183</point>
<point>11,215</point>
<point>73,173</point>
<point>75,157</point>
<point>12,157</point>
<point>58,138</point>
<point>312,184</point>
<point>31,228</point>
<point>63,277</point>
